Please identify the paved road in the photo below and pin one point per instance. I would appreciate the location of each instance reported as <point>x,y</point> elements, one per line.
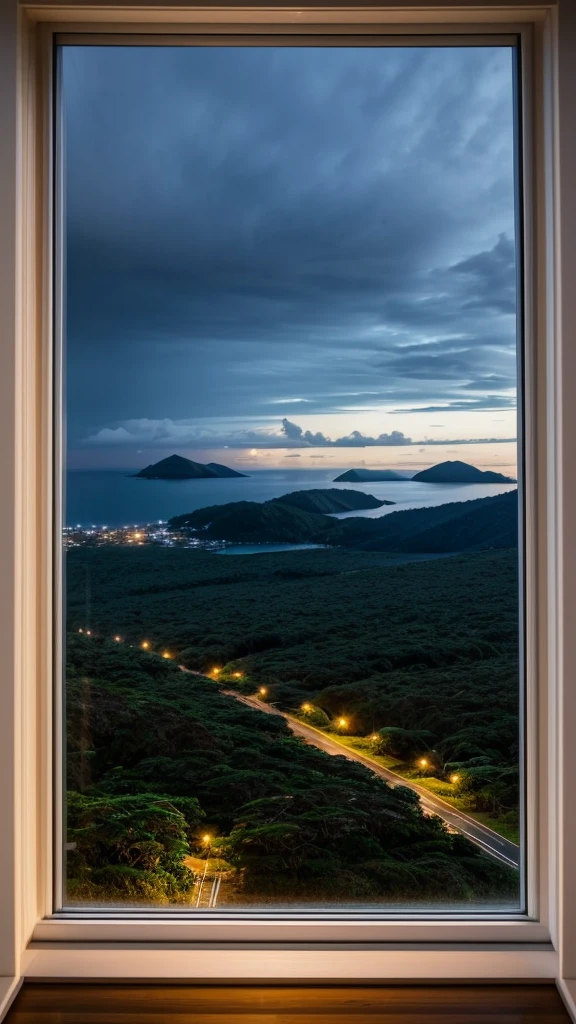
<point>488,840</point>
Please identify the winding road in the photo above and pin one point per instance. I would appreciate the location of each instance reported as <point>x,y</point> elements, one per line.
<point>489,841</point>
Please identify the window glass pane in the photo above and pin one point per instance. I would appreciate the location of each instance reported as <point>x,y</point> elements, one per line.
<point>290,515</point>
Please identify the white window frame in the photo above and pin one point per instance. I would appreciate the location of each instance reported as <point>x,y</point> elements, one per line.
<point>34,943</point>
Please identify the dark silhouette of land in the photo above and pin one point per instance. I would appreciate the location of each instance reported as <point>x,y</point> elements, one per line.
<point>460,473</point>
<point>475,525</point>
<point>176,467</point>
<point>362,476</point>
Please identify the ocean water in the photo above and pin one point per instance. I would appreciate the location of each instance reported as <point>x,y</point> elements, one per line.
<point>113,498</point>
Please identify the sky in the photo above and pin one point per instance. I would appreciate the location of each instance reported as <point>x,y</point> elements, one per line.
<point>282,255</point>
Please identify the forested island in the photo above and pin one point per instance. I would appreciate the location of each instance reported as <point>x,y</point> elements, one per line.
<point>456,472</point>
<point>456,526</point>
<point>450,472</point>
<point>176,467</point>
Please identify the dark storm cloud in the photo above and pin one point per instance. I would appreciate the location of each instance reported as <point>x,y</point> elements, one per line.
<point>253,228</point>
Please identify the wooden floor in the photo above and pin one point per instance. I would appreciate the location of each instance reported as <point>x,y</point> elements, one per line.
<point>178,1004</point>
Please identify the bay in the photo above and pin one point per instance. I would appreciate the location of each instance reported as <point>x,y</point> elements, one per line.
<point>114,498</point>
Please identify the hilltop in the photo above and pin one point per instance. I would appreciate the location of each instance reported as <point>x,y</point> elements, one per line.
<point>294,518</point>
<point>330,500</point>
<point>460,473</point>
<point>366,476</point>
<point>176,467</point>
<point>255,523</point>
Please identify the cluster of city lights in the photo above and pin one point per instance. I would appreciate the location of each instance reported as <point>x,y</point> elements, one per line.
<point>158,534</point>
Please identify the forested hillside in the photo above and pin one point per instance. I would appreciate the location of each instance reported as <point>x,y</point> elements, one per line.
<point>301,517</point>
<point>157,756</point>
<point>428,646</point>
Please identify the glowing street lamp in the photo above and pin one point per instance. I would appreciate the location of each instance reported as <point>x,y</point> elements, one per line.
<point>88,632</point>
<point>80,630</point>
<point>342,722</point>
<point>263,691</point>
<point>237,675</point>
<point>375,736</point>
<point>216,671</point>
<point>145,645</point>
<point>207,839</point>
<point>454,778</point>
<point>166,654</point>
<point>118,639</point>
<point>423,762</point>
<point>306,707</point>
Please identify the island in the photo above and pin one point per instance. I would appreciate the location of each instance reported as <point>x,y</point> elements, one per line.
<point>364,476</point>
<point>460,473</point>
<point>176,467</point>
<point>331,500</point>
<point>474,525</point>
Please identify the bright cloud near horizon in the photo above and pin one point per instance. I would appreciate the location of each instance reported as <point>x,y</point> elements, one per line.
<point>280,254</point>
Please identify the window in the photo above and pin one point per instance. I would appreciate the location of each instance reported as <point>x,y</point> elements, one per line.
<point>292,346</point>
<point>169,941</point>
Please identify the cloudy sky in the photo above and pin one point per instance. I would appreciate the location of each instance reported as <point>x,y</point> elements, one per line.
<point>280,254</point>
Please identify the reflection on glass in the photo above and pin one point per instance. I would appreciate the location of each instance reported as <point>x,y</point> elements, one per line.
<point>290,526</point>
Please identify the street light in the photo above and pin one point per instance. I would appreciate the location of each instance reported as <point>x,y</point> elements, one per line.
<point>145,645</point>
<point>118,639</point>
<point>237,675</point>
<point>342,722</point>
<point>423,762</point>
<point>166,654</point>
<point>375,736</point>
<point>216,671</point>
<point>262,691</point>
<point>454,778</point>
<point>306,707</point>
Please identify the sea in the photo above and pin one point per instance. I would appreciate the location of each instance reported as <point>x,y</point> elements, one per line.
<point>116,498</point>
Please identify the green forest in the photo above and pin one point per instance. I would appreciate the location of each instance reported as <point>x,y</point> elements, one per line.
<point>421,652</point>
<point>157,757</point>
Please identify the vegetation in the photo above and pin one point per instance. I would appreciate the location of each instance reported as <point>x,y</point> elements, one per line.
<point>157,756</point>
<point>328,500</point>
<point>422,652</point>
<point>255,522</point>
<point>455,527</point>
<point>456,472</point>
